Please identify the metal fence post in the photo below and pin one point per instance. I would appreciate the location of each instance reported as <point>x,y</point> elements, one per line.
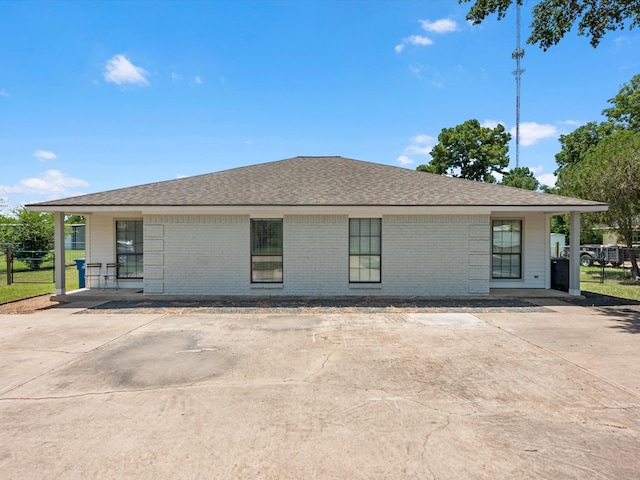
<point>9,266</point>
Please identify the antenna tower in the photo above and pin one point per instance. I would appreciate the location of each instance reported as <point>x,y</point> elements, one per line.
<point>517,55</point>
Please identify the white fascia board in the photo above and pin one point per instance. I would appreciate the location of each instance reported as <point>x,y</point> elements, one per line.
<point>321,209</point>
<point>277,211</point>
<point>554,209</point>
<point>85,210</point>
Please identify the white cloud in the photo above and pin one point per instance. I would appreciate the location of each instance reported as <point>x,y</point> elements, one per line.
<point>420,145</point>
<point>44,155</point>
<point>572,123</point>
<point>4,93</point>
<point>444,25</point>
<point>531,132</point>
<point>416,70</point>
<point>423,139</point>
<point>419,40</point>
<point>404,160</point>
<point>175,76</point>
<point>548,179</point>
<point>491,123</point>
<point>537,169</point>
<point>120,70</point>
<point>49,183</point>
<point>197,80</point>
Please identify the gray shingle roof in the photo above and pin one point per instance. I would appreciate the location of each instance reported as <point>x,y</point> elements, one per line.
<point>317,181</point>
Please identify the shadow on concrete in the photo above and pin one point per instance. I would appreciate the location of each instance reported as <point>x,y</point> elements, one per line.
<point>625,312</point>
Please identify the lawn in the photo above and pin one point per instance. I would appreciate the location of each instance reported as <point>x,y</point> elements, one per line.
<point>30,283</point>
<point>617,282</point>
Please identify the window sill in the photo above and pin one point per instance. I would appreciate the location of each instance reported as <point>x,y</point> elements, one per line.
<point>267,286</point>
<point>365,286</point>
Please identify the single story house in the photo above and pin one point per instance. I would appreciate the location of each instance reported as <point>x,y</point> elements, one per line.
<point>321,226</point>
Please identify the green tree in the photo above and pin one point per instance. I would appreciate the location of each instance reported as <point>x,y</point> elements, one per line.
<point>577,144</point>
<point>552,19</point>
<point>31,232</point>
<point>610,173</point>
<point>625,112</point>
<point>520,177</point>
<point>470,151</point>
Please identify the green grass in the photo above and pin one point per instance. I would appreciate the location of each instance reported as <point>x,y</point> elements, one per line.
<point>30,283</point>
<point>45,284</point>
<point>617,282</point>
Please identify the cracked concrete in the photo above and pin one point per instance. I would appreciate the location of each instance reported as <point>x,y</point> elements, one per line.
<point>547,394</point>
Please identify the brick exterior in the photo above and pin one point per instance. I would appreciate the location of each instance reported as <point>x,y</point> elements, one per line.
<point>422,255</point>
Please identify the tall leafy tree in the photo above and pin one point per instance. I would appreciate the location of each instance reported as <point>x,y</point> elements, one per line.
<point>610,173</point>
<point>624,114</point>
<point>520,177</point>
<point>625,110</point>
<point>552,19</point>
<point>470,151</point>
<point>577,144</point>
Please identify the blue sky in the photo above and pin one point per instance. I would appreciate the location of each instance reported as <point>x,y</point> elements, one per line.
<point>102,95</point>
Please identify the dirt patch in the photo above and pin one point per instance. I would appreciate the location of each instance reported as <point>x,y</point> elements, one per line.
<point>29,305</point>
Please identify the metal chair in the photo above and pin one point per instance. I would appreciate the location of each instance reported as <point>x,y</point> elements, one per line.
<point>112,272</point>
<point>92,270</point>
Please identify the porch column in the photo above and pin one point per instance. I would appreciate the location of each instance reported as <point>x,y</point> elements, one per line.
<point>574,258</point>
<point>58,251</point>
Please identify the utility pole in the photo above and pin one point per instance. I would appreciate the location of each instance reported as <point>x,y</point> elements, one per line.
<point>517,55</point>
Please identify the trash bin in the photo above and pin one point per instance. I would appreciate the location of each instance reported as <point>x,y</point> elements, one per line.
<point>81,276</point>
<point>560,274</point>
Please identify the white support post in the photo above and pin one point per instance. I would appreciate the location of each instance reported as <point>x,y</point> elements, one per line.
<point>547,250</point>
<point>574,259</point>
<point>58,249</point>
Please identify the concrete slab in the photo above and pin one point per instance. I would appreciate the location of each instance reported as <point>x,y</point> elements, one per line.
<point>517,395</point>
<point>462,320</point>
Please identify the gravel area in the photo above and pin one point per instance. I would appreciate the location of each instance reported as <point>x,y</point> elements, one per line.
<point>318,305</point>
<point>315,305</point>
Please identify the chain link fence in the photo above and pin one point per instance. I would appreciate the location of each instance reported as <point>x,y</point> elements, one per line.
<point>33,267</point>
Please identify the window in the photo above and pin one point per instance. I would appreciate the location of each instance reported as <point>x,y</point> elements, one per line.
<point>364,250</point>
<point>507,249</point>
<point>129,248</point>
<point>266,251</point>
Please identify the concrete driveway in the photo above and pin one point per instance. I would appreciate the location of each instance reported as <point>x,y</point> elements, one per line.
<point>553,393</point>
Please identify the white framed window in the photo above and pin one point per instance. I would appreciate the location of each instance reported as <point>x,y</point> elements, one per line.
<point>266,250</point>
<point>129,248</point>
<point>365,250</point>
<point>506,249</point>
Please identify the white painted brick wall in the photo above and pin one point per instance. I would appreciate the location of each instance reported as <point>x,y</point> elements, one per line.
<point>316,255</point>
<point>428,255</point>
<point>421,256</point>
<point>203,254</point>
